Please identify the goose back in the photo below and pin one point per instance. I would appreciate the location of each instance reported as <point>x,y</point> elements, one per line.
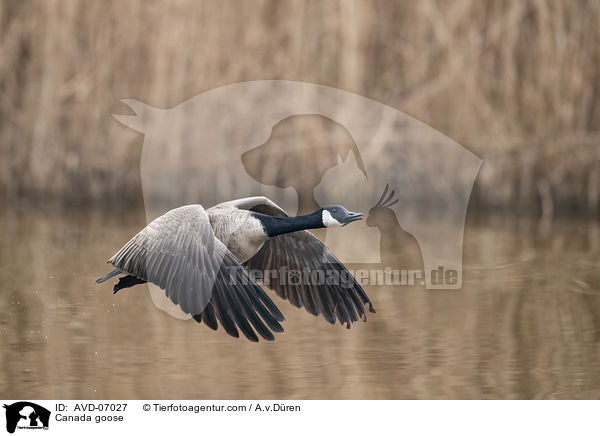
<point>242,233</point>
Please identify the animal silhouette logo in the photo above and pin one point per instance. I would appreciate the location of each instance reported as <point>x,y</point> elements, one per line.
<point>313,140</point>
<point>304,145</point>
<point>398,248</point>
<point>26,415</point>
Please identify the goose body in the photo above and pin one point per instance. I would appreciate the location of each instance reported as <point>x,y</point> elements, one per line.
<point>241,232</point>
<point>201,259</point>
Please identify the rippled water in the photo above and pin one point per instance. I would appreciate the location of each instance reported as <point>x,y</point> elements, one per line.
<point>526,324</point>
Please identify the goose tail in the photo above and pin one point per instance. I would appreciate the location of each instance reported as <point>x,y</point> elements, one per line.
<point>111,274</point>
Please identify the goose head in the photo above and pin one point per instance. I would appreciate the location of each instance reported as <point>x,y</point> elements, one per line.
<point>338,216</point>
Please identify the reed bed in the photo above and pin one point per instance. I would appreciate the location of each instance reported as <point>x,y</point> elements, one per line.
<point>518,83</point>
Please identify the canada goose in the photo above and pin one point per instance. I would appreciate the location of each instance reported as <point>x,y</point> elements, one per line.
<point>198,256</point>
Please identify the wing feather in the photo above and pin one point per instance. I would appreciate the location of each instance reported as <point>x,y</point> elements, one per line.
<point>179,252</point>
<point>344,300</point>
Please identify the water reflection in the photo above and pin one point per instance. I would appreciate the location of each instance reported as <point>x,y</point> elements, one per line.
<point>525,325</point>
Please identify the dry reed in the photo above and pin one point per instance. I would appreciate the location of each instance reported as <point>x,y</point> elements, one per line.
<point>516,82</point>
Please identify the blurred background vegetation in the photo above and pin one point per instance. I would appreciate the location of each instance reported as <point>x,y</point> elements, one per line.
<point>517,82</point>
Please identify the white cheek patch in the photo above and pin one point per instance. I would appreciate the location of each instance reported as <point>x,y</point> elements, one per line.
<point>329,221</point>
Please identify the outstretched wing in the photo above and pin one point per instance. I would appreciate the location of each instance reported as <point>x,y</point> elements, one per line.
<point>301,269</point>
<point>179,252</point>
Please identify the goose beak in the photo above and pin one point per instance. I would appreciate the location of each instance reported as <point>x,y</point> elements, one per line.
<point>351,217</point>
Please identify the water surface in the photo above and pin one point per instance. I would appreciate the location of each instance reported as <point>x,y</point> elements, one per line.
<point>526,324</point>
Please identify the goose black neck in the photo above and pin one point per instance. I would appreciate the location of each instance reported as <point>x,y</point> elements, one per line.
<point>279,225</point>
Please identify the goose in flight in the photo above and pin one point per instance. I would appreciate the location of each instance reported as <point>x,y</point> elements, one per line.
<point>206,262</point>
